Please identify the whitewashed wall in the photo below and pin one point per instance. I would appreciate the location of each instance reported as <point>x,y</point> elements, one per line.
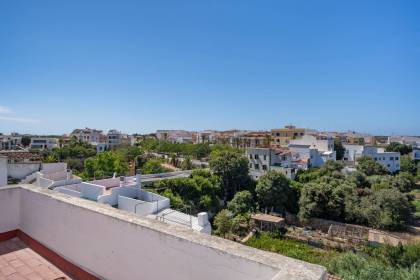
<point>21,170</point>
<point>109,244</point>
<point>91,191</point>
<point>9,209</point>
<point>112,198</point>
<point>3,171</point>
<point>142,207</point>
<point>53,167</point>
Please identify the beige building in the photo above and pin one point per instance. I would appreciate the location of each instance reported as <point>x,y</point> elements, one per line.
<point>280,137</point>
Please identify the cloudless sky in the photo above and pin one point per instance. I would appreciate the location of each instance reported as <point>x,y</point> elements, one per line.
<point>139,66</point>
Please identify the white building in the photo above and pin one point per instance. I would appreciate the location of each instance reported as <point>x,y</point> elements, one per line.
<point>43,143</point>
<point>415,155</point>
<point>262,160</point>
<point>352,152</point>
<point>116,138</point>
<point>322,144</point>
<point>390,160</point>
<point>175,136</point>
<point>89,135</point>
<point>125,193</point>
<point>9,142</point>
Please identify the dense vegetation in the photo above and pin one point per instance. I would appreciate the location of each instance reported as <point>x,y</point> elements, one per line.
<point>365,197</point>
<point>292,248</point>
<point>382,263</point>
<point>202,191</point>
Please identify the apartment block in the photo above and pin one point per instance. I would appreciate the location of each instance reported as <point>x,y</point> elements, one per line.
<point>43,143</point>
<point>89,135</point>
<point>281,137</point>
<point>390,160</point>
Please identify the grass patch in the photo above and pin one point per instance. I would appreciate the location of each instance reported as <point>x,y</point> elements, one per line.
<point>292,248</point>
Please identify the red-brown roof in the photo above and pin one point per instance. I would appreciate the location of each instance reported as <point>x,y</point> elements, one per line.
<point>21,155</point>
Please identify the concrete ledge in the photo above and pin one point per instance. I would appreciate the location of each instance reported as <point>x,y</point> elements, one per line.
<point>239,256</point>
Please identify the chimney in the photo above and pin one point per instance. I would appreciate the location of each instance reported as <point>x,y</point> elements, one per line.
<point>203,219</point>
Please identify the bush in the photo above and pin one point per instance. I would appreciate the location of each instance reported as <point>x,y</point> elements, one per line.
<point>291,248</point>
<point>352,266</point>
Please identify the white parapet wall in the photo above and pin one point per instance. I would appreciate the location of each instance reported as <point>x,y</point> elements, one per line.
<point>91,191</point>
<point>3,171</point>
<point>9,209</point>
<point>114,244</point>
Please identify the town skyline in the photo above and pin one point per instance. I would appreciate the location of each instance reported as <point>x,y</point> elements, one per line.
<point>143,66</point>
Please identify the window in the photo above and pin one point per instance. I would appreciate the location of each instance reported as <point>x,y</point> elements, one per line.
<point>396,158</point>
<point>391,158</point>
<point>389,165</point>
<point>256,166</point>
<point>376,159</point>
<point>250,156</point>
<point>250,165</point>
<point>256,157</point>
<point>264,167</point>
<point>265,157</point>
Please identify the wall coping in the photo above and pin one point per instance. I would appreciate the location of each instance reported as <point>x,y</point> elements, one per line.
<point>288,268</point>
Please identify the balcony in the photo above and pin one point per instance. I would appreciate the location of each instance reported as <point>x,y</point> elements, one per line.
<point>89,240</point>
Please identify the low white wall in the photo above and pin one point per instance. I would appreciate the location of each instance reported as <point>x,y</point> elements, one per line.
<point>9,209</point>
<point>113,244</point>
<point>141,207</point>
<point>21,170</point>
<point>3,171</point>
<point>112,198</point>
<point>68,191</point>
<point>56,175</point>
<point>66,182</point>
<point>53,167</point>
<point>43,182</point>
<point>134,205</point>
<point>91,191</point>
<point>108,183</point>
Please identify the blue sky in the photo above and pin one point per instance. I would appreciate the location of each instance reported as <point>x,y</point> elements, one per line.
<point>144,65</point>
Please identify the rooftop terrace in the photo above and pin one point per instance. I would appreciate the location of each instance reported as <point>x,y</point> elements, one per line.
<point>108,243</point>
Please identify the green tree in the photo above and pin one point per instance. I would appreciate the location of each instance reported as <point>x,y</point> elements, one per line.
<point>153,166</point>
<point>398,147</point>
<point>200,192</point>
<point>187,163</point>
<point>274,192</point>
<point>370,167</point>
<point>408,165</point>
<point>105,165</point>
<point>325,198</point>
<point>339,149</point>
<point>241,203</point>
<point>223,222</point>
<point>232,168</point>
<point>386,209</point>
<point>26,141</point>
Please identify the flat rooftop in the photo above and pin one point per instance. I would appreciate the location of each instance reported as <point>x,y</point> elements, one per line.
<point>19,262</point>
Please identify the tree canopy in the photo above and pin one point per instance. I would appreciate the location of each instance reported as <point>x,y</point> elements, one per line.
<point>232,168</point>
<point>370,167</point>
<point>339,149</point>
<point>398,147</point>
<point>274,193</point>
